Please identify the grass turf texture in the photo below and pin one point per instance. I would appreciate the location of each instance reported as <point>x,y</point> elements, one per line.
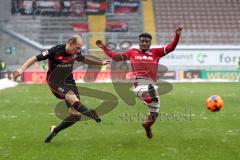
<point>27,111</point>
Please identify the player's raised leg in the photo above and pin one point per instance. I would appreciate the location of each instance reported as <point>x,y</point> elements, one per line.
<point>75,103</point>
<point>145,89</point>
<point>153,103</point>
<point>151,118</point>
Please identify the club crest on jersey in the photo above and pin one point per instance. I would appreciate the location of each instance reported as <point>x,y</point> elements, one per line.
<point>144,58</point>
<point>149,53</point>
<point>45,53</point>
<point>60,89</point>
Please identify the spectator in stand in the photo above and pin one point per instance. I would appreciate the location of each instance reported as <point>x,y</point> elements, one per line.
<point>34,8</point>
<point>20,9</point>
<point>13,7</point>
<point>239,64</point>
<point>56,8</point>
<point>62,7</point>
<point>2,67</point>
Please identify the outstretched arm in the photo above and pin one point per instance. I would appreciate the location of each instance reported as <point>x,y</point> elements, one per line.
<point>43,56</point>
<point>115,56</point>
<point>171,46</point>
<point>25,66</point>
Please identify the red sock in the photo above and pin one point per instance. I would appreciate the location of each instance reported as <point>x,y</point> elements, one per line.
<point>148,99</point>
<point>151,118</point>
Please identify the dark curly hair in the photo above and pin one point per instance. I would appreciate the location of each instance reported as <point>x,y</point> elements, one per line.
<point>145,35</point>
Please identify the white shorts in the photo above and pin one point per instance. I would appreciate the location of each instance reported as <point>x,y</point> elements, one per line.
<point>141,86</point>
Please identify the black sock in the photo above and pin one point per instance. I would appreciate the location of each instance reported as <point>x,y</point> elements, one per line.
<point>85,111</point>
<point>81,108</point>
<point>70,120</point>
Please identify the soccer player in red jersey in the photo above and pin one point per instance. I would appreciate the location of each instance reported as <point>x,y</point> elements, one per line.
<point>144,63</point>
<point>60,79</point>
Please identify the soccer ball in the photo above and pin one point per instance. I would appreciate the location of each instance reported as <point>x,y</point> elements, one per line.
<point>214,103</point>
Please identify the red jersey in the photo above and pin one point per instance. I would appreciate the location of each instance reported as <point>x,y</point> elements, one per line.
<point>144,64</point>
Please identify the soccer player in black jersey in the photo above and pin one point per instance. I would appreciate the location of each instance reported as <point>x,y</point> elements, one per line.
<point>60,79</point>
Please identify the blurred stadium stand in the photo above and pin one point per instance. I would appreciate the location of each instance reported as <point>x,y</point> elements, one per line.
<point>135,25</point>
<point>45,30</point>
<point>205,21</point>
<point>50,30</point>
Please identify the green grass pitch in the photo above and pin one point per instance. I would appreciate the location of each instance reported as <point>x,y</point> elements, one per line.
<point>185,130</point>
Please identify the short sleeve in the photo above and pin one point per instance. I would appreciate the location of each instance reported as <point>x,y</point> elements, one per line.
<point>46,54</point>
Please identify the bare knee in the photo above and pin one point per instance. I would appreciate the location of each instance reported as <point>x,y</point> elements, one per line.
<point>71,97</point>
<point>73,112</point>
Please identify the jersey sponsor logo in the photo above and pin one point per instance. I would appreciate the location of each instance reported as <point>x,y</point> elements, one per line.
<point>68,65</point>
<point>45,53</point>
<point>144,58</point>
<point>62,58</point>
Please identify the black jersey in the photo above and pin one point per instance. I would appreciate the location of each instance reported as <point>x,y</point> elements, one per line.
<point>60,63</point>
